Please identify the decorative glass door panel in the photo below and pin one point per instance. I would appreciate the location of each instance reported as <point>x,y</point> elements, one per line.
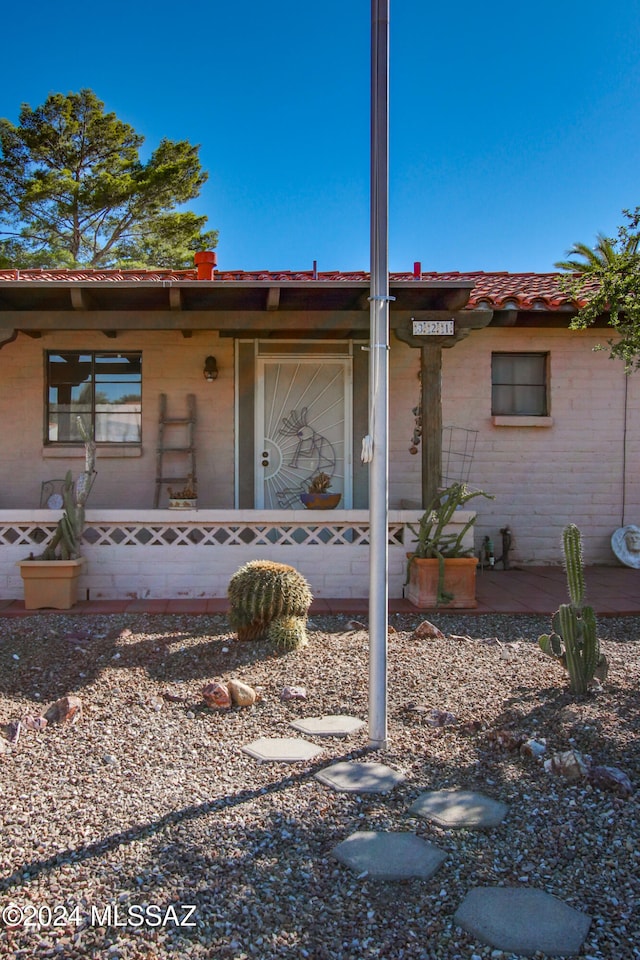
<point>303,417</point>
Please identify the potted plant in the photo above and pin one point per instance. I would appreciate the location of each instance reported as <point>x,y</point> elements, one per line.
<point>51,579</point>
<point>185,499</point>
<point>317,496</point>
<point>441,570</point>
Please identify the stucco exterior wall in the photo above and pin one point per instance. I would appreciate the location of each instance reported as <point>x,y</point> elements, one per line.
<point>172,364</point>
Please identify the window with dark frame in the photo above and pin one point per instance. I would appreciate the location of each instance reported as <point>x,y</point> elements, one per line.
<point>519,384</point>
<point>103,390</point>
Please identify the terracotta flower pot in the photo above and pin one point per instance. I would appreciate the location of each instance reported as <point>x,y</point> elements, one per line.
<point>50,583</point>
<point>459,581</point>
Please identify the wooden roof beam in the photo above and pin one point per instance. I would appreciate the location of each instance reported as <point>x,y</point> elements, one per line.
<point>273,298</point>
<point>81,299</point>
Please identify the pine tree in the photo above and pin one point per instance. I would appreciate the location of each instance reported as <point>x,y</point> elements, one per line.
<point>74,192</point>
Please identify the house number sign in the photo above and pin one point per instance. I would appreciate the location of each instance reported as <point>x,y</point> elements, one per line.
<point>432,328</point>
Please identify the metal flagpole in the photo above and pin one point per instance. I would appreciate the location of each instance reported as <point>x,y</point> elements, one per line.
<point>379,376</point>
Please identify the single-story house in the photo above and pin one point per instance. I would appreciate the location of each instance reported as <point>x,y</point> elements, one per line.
<point>250,383</point>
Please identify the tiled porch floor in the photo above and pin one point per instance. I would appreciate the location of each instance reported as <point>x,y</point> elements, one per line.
<point>612,591</point>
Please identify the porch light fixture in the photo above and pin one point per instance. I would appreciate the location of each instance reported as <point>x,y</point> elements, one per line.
<point>210,369</point>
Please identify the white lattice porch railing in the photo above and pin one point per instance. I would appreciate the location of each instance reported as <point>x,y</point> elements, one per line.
<point>163,553</point>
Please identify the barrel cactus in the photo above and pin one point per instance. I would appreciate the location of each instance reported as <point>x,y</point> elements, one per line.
<point>288,633</point>
<point>269,601</point>
<point>574,635</point>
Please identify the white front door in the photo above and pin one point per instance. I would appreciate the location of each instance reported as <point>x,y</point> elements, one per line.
<point>303,427</point>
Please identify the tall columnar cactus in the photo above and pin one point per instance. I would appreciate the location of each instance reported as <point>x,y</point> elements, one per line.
<point>574,624</point>
<point>271,601</point>
<point>67,539</point>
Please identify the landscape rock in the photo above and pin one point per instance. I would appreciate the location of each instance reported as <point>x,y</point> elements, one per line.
<point>505,739</point>
<point>440,718</point>
<point>293,693</point>
<point>174,697</point>
<point>533,748</point>
<point>427,631</point>
<point>570,764</point>
<point>610,778</point>
<point>242,695</point>
<point>35,723</point>
<point>217,696</point>
<point>65,710</point>
<point>11,731</point>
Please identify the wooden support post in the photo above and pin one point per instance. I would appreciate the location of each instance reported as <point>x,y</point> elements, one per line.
<point>431,376</point>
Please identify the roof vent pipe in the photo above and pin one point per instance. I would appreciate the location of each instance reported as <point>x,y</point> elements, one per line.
<point>417,270</point>
<point>205,261</point>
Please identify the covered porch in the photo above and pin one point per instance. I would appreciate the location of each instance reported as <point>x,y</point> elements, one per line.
<point>613,592</point>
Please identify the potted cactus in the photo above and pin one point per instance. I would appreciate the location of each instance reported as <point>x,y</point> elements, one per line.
<point>442,571</point>
<point>317,496</point>
<point>51,579</point>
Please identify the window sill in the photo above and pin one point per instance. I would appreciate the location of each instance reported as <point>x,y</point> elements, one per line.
<point>61,451</point>
<point>522,421</point>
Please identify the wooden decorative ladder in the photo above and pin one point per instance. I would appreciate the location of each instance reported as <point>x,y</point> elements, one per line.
<point>185,454</point>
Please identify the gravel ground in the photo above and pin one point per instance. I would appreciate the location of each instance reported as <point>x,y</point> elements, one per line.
<point>147,803</point>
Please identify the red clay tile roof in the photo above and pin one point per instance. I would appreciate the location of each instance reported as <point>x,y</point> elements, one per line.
<point>523,291</point>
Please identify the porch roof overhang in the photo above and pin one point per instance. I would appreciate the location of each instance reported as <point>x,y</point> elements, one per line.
<point>233,307</point>
<point>262,304</point>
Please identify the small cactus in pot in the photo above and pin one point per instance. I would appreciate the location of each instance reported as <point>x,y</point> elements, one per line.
<point>317,496</point>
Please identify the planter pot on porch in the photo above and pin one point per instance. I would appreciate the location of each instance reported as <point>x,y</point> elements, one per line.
<point>320,501</point>
<point>183,503</point>
<point>50,583</point>
<point>459,581</point>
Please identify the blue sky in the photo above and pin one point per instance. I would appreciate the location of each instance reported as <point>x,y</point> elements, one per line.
<point>515,128</point>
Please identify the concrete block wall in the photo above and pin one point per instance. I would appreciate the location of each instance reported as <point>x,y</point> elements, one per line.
<point>115,570</point>
<point>584,467</point>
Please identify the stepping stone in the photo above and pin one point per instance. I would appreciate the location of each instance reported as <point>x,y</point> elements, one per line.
<point>459,808</point>
<point>351,777</point>
<point>282,749</point>
<point>389,856</point>
<point>336,725</point>
<point>523,921</point>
